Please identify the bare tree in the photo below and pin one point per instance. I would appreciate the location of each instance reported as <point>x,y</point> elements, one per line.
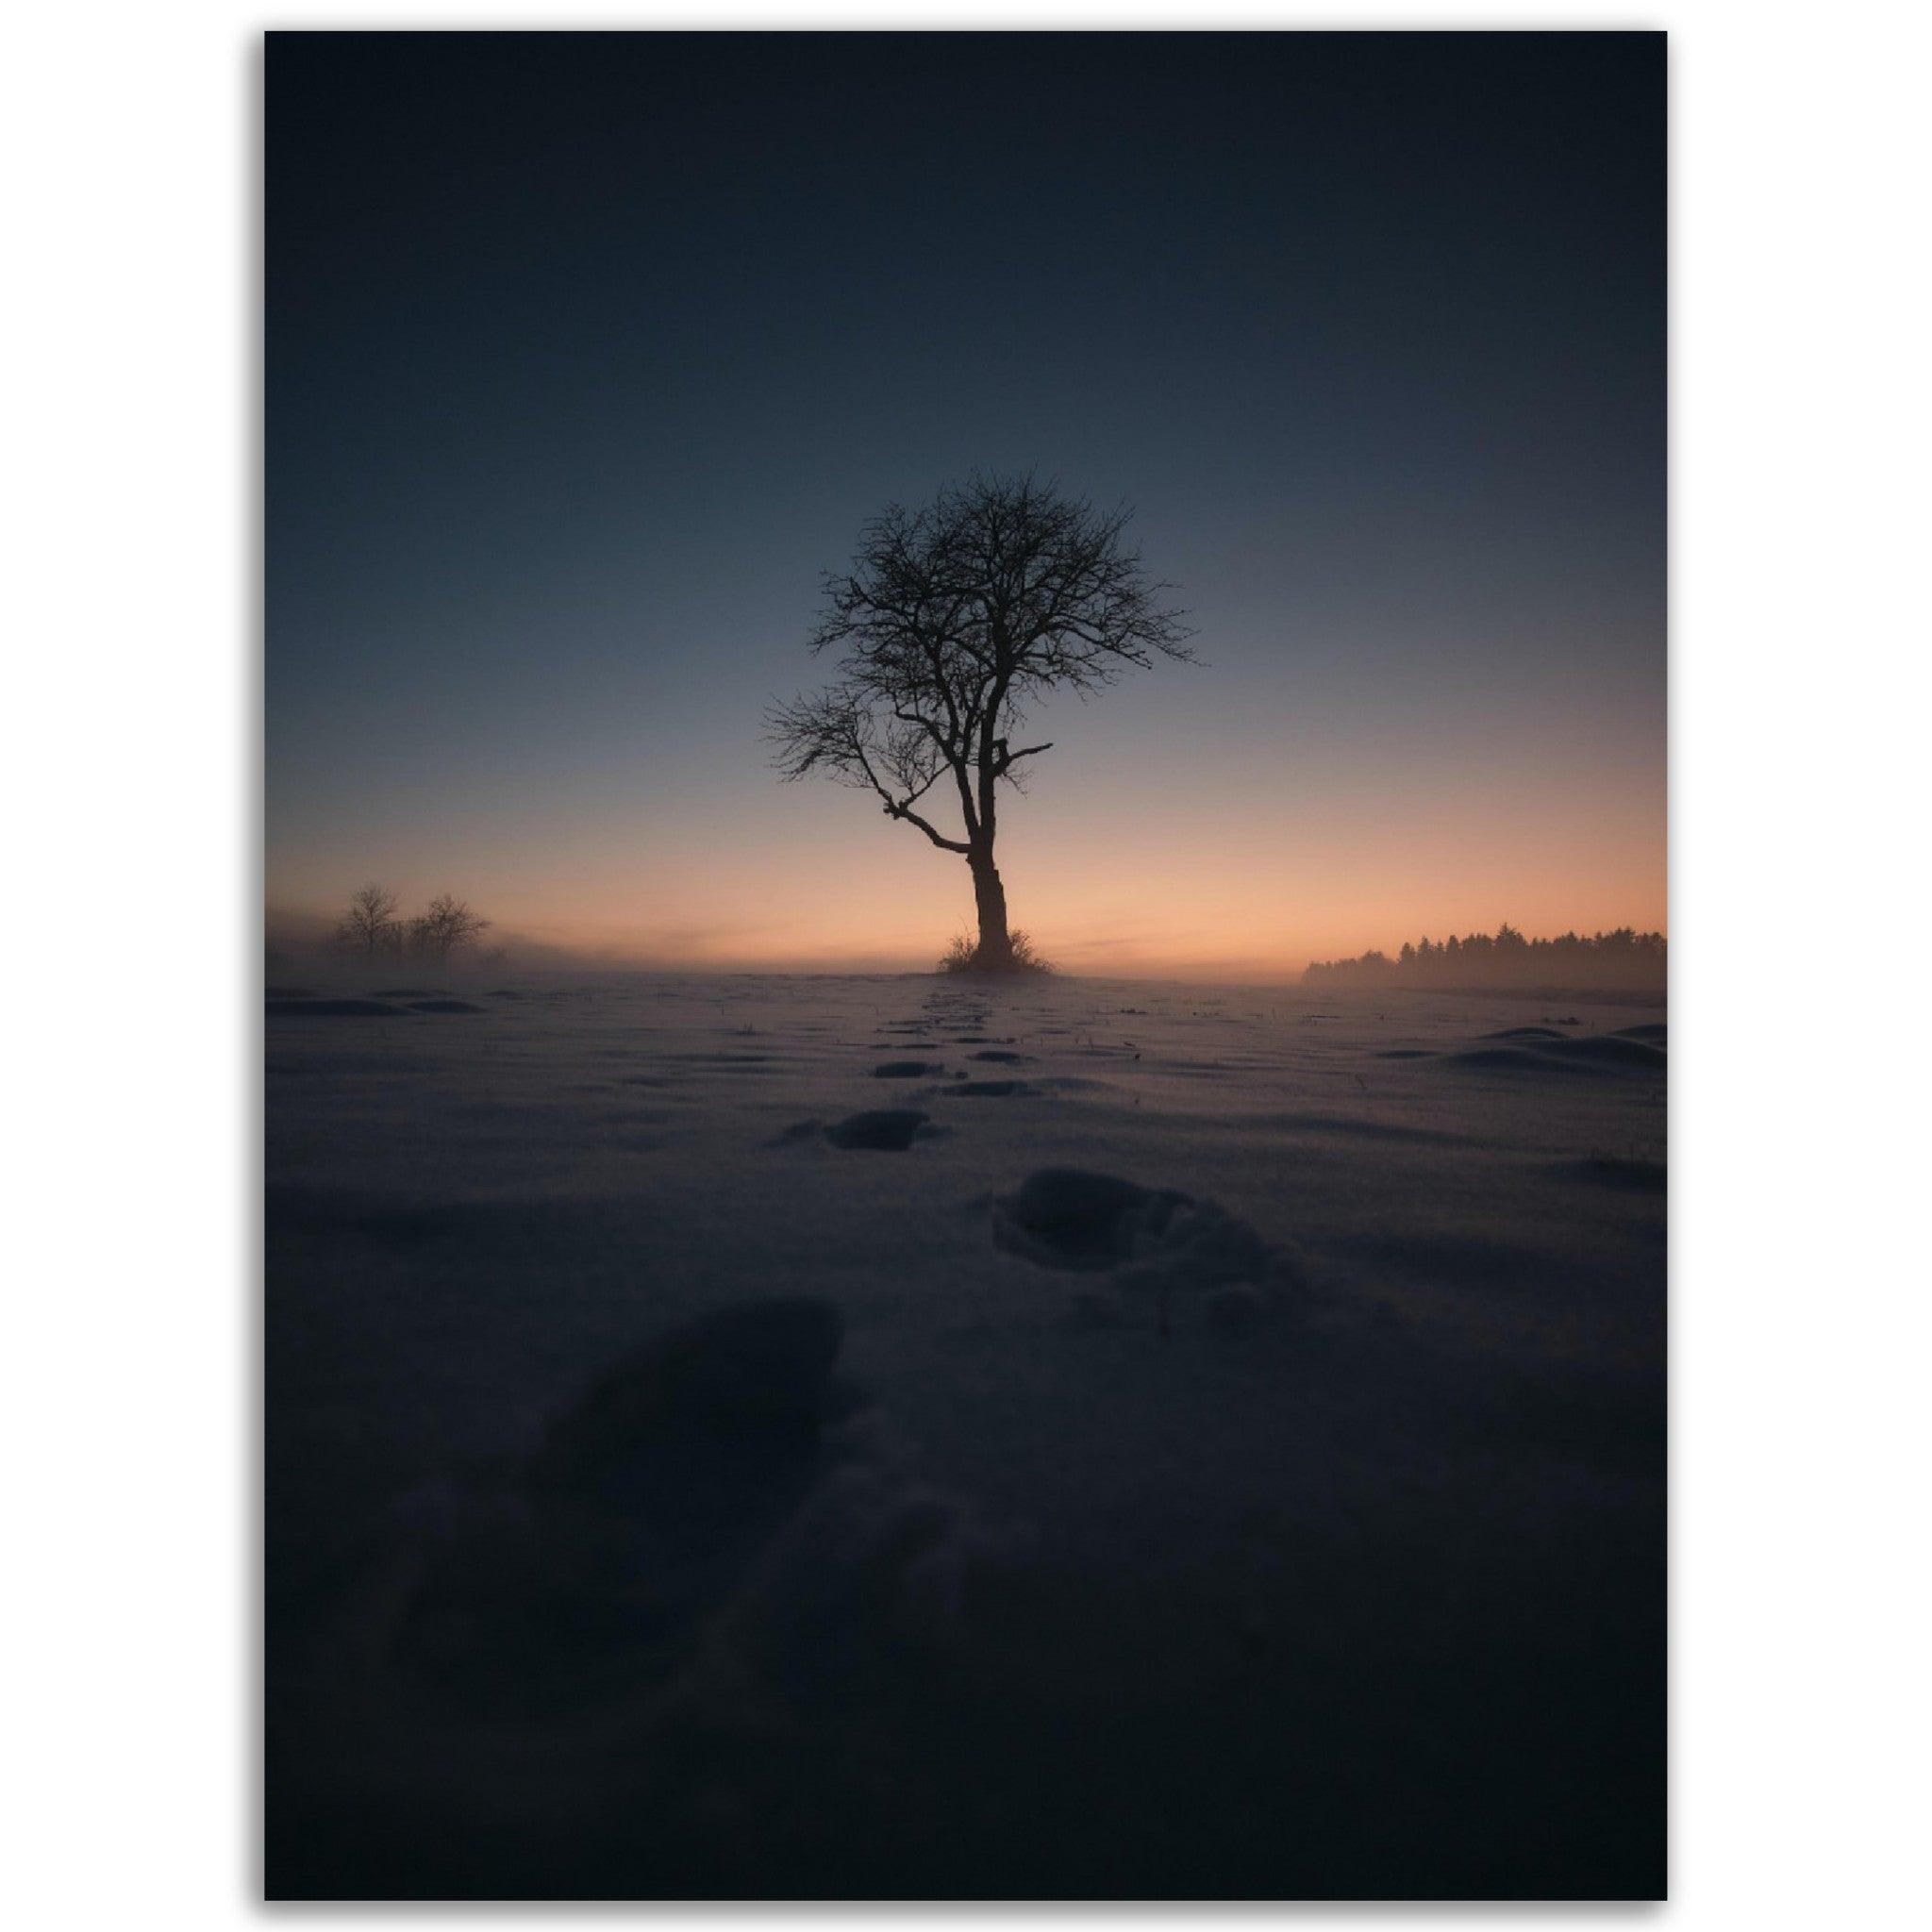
<point>371,926</point>
<point>951,623</point>
<point>447,927</point>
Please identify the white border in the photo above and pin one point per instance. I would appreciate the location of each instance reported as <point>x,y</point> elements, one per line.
<point>1798,931</point>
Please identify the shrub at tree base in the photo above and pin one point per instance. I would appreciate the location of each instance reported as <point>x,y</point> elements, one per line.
<point>963,956</point>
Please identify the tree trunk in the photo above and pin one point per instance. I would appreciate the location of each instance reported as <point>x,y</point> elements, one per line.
<point>996,943</point>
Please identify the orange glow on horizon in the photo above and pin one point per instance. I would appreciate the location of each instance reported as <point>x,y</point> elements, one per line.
<point>814,881</point>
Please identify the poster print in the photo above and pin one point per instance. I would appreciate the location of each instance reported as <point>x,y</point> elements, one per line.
<point>965,1001</point>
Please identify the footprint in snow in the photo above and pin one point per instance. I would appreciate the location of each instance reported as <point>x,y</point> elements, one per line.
<point>1155,1243</point>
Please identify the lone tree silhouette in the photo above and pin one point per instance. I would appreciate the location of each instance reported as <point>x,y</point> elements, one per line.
<point>952,621</point>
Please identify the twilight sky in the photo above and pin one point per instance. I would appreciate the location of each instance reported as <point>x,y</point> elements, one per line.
<point>588,353</point>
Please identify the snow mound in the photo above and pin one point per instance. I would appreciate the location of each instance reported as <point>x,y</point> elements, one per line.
<point>886,1129</point>
<point>1610,1049</point>
<point>333,1009</point>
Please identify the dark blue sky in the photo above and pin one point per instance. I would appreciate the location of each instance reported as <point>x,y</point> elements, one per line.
<point>587,353</point>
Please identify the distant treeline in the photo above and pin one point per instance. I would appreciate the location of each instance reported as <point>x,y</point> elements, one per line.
<point>1623,957</point>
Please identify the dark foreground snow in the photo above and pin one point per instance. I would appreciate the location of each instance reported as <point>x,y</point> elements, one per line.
<point>1195,1443</point>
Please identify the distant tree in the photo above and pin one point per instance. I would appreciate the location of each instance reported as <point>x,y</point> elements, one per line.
<point>371,926</point>
<point>447,927</point>
<point>952,621</point>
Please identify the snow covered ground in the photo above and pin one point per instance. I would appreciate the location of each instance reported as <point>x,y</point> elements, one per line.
<point>1210,1443</point>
